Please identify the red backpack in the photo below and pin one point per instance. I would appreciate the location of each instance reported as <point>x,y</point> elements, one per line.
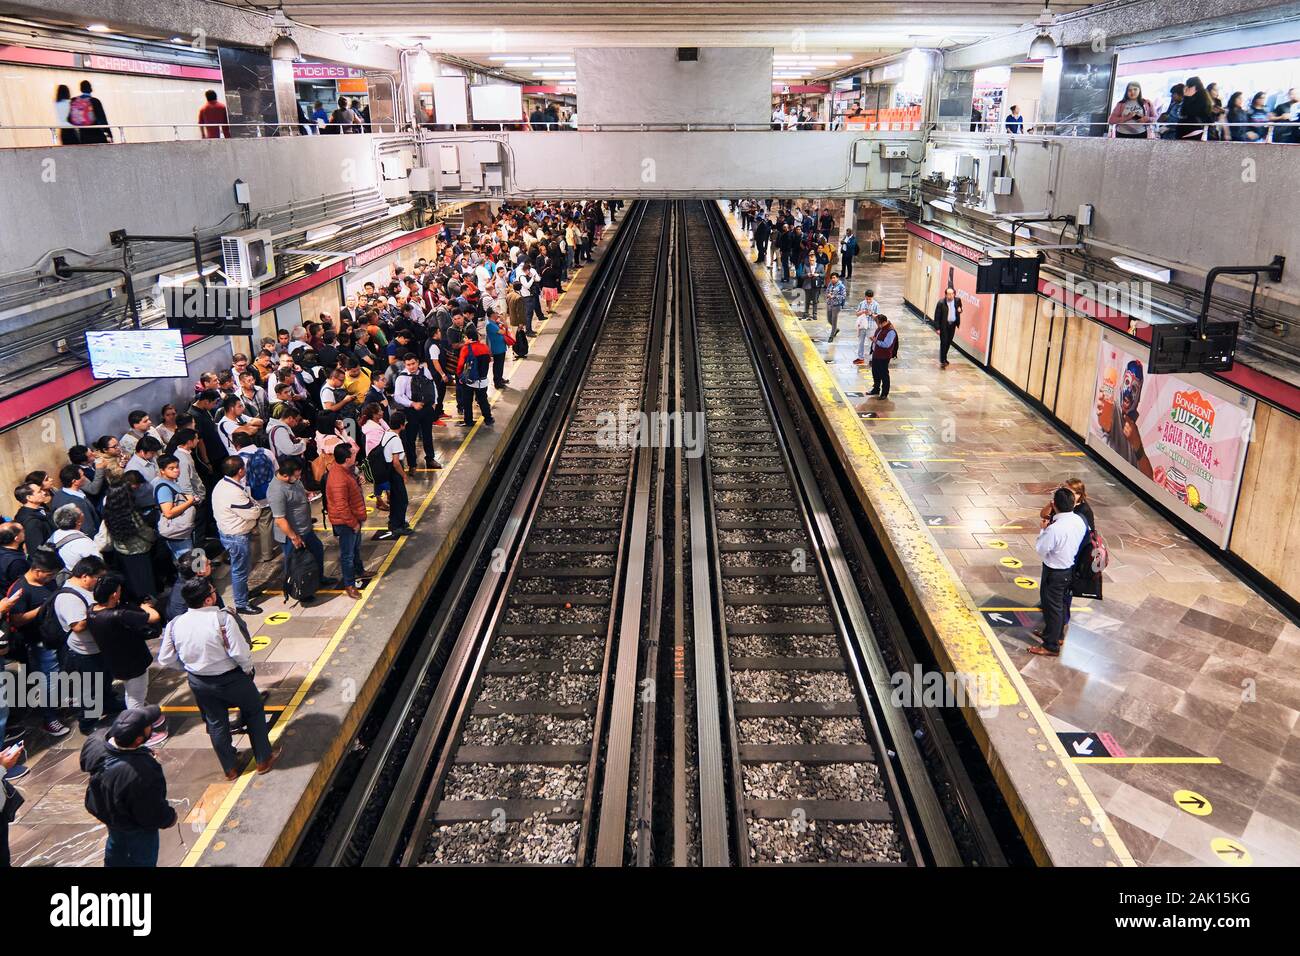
<point>81,111</point>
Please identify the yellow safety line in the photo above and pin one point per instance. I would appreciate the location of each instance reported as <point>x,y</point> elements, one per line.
<point>1208,760</point>
<point>183,709</point>
<point>241,784</point>
<point>990,639</point>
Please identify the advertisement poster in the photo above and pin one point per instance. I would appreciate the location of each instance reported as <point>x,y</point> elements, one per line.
<point>974,333</point>
<point>1182,438</point>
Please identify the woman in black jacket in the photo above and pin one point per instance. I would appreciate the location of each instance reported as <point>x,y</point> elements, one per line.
<point>1198,110</point>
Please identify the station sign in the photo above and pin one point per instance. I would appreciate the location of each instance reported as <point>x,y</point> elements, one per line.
<point>210,309</point>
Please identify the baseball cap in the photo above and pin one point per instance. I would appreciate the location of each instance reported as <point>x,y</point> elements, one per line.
<point>132,724</point>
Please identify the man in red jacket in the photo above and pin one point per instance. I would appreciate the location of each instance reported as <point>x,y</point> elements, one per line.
<point>213,118</point>
<point>346,507</point>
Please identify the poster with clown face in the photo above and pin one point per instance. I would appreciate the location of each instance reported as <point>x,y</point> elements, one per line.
<point>1181,437</point>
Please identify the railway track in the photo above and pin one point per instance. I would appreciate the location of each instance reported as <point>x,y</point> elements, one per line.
<point>661,654</point>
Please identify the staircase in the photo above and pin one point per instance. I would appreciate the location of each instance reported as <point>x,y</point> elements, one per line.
<point>895,235</point>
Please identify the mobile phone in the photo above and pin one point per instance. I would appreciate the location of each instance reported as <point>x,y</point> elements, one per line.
<point>14,750</point>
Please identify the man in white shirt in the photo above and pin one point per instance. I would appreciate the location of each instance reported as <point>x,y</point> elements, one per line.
<point>1058,545</point>
<point>234,420</point>
<point>208,643</point>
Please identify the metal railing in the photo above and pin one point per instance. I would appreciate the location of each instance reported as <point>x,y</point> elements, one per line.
<point>182,132</point>
<point>188,132</point>
<point>1263,132</point>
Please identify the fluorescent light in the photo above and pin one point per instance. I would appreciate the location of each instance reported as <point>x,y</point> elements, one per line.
<point>321,232</point>
<point>1148,270</point>
<point>942,204</point>
<point>400,208</point>
<point>178,39</point>
<point>97,28</point>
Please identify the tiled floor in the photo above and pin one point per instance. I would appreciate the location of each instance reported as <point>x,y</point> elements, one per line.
<point>53,827</point>
<point>1182,659</point>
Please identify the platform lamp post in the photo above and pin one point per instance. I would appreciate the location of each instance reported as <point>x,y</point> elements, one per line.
<point>64,271</point>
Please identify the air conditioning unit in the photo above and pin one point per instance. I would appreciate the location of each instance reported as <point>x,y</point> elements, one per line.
<point>395,188</point>
<point>1003,185</point>
<point>247,257</point>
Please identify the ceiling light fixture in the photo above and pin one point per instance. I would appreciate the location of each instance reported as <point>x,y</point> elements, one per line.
<point>97,28</point>
<point>1043,47</point>
<point>283,47</point>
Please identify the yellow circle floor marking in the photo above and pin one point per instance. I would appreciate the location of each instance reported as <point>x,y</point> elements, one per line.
<point>1193,803</point>
<point>279,617</point>
<point>1230,851</point>
<point>260,643</point>
<point>997,543</point>
<point>1010,562</point>
<point>1027,583</point>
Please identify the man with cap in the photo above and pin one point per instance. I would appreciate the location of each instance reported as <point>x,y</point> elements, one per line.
<point>127,791</point>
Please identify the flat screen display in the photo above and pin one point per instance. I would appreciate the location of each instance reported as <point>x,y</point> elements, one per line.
<point>137,353</point>
<point>497,103</point>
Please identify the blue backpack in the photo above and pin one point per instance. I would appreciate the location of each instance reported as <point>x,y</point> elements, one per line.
<point>260,470</point>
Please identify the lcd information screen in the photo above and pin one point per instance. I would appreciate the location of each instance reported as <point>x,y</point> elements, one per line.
<point>144,353</point>
<point>497,103</point>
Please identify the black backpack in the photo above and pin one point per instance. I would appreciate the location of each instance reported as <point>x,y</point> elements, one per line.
<point>53,636</point>
<point>421,388</point>
<point>304,576</point>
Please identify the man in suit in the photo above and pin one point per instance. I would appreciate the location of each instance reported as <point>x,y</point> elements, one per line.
<point>947,318</point>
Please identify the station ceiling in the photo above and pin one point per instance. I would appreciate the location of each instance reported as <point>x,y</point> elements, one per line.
<point>483,28</point>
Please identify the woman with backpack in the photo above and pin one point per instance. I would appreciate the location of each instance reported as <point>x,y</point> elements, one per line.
<point>68,134</point>
<point>131,537</point>
<point>122,633</point>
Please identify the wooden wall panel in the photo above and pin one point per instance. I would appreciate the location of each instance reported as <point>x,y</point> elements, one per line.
<point>1075,393</point>
<point>40,443</point>
<point>27,99</point>
<point>324,299</point>
<point>1039,349</point>
<point>1013,331</point>
<point>1266,532</point>
<point>914,286</point>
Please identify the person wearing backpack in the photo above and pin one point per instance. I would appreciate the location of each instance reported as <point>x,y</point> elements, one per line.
<point>472,378</point>
<point>259,472</point>
<point>884,347</point>
<point>69,541</point>
<point>208,644</point>
<point>414,393</point>
<point>86,113</point>
<point>176,510</point>
<point>291,512</point>
<point>67,618</point>
<point>27,597</point>
<point>1091,559</point>
<point>127,790</point>
<point>13,557</point>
